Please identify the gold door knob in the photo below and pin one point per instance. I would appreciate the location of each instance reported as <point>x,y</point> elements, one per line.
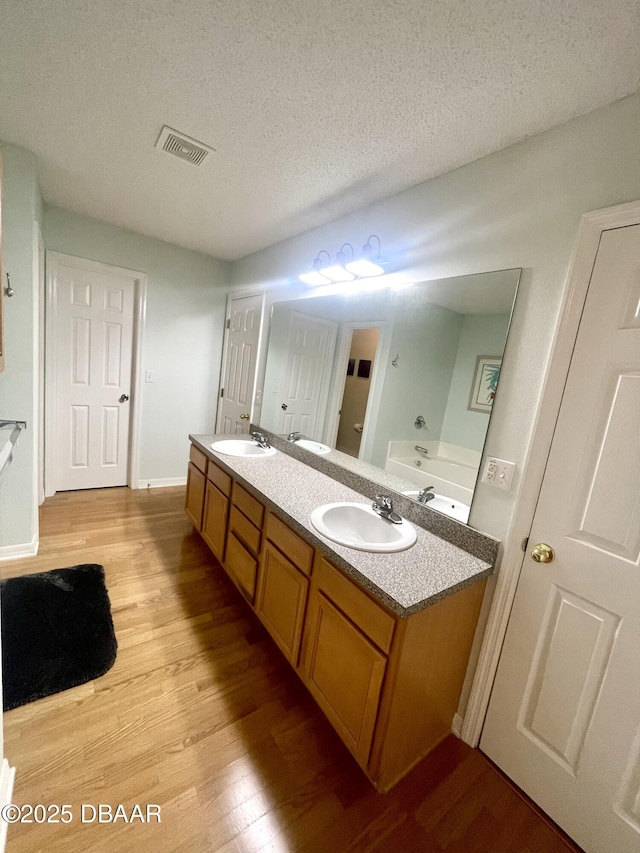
<point>244,417</point>
<point>543,553</point>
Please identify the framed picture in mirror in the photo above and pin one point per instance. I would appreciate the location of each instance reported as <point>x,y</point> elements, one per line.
<point>485,383</point>
<point>364,368</point>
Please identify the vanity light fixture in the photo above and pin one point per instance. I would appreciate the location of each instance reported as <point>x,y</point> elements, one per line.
<point>314,277</point>
<point>338,271</point>
<point>369,265</point>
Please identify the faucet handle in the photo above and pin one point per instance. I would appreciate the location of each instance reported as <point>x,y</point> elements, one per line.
<point>385,502</point>
<point>260,438</point>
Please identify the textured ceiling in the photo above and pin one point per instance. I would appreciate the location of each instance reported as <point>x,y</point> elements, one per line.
<point>316,107</point>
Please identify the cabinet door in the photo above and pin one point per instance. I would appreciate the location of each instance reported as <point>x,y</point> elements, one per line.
<point>194,502</point>
<point>241,566</point>
<point>344,672</point>
<point>281,600</point>
<point>214,522</point>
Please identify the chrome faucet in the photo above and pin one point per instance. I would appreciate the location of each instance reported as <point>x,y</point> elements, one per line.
<point>425,495</point>
<point>294,436</point>
<point>383,505</point>
<point>261,438</point>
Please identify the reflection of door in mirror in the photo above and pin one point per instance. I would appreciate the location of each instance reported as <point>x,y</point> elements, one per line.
<point>364,343</point>
<point>302,393</point>
<point>241,352</point>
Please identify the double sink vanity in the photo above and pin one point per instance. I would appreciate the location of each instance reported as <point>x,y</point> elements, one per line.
<point>377,616</point>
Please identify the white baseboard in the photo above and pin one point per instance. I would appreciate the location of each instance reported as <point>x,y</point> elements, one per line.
<point>456,725</point>
<point>17,552</point>
<point>159,484</point>
<point>7,775</point>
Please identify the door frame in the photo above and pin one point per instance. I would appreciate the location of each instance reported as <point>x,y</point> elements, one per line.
<point>592,225</point>
<point>53,261</point>
<point>239,294</point>
<point>340,377</point>
<point>39,295</point>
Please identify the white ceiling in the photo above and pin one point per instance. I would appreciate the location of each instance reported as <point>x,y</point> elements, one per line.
<point>316,107</point>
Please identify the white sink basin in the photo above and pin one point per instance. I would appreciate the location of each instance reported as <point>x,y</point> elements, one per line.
<point>358,526</point>
<point>242,447</point>
<point>313,446</point>
<point>445,505</point>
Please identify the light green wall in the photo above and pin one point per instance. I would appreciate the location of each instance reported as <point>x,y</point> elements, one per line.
<point>21,205</point>
<point>184,327</point>
<point>519,207</point>
<point>425,339</point>
<point>482,334</point>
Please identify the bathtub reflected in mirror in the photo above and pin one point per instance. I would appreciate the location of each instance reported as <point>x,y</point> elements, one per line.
<point>451,470</point>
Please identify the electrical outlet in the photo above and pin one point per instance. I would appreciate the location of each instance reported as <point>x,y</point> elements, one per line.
<point>498,473</point>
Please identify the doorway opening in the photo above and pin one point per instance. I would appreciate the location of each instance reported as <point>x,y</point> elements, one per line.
<point>357,387</point>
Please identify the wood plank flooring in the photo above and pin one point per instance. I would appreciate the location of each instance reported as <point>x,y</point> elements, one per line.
<point>202,715</point>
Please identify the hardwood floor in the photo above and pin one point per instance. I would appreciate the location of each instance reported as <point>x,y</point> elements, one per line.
<point>202,715</point>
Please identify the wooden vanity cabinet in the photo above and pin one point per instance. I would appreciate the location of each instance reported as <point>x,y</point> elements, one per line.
<point>347,639</point>
<point>216,510</point>
<point>390,686</point>
<point>244,539</point>
<point>283,585</point>
<point>196,486</point>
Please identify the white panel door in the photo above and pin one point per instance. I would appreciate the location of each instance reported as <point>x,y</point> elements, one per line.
<point>94,337</point>
<point>564,717</point>
<point>304,386</point>
<point>245,314</point>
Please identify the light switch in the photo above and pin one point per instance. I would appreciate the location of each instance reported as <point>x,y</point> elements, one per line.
<point>498,473</point>
<point>148,376</point>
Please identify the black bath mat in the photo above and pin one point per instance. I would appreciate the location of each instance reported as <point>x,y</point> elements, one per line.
<point>56,632</point>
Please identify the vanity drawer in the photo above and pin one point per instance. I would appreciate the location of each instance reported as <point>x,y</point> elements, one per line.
<point>292,546</point>
<point>244,530</point>
<point>219,478</point>
<point>247,504</point>
<point>198,458</point>
<point>242,566</point>
<point>375,622</point>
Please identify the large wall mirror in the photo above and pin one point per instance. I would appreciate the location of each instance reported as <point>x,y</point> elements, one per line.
<point>401,378</point>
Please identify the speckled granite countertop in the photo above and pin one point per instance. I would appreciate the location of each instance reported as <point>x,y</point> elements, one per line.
<point>406,582</point>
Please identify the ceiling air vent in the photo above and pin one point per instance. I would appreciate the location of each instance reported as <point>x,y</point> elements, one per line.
<point>182,146</point>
